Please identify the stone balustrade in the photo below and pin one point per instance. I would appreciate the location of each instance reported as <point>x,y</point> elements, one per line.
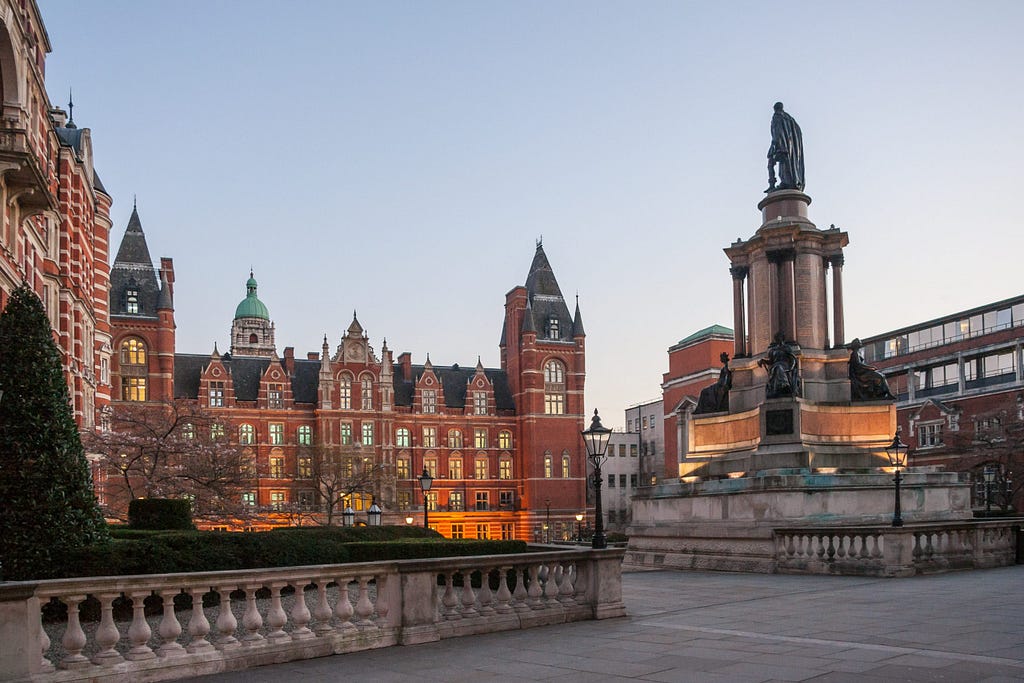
<point>166,626</point>
<point>897,551</point>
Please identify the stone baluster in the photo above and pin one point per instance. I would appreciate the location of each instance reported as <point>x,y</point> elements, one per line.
<point>485,595</point>
<point>169,628</point>
<point>74,637</point>
<point>198,624</point>
<point>383,604</point>
<point>468,598</point>
<point>364,608</point>
<point>841,546</point>
<point>300,614</point>
<point>226,622</point>
<point>819,540</point>
<point>276,618</point>
<point>534,590</point>
<point>520,595</point>
<point>504,596</point>
<point>449,602</point>
<point>343,609</point>
<point>550,585</point>
<point>567,587</point>
<point>139,632</point>
<point>252,621</point>
<point>322,611</point>
<point>878,549</point>
<point>107,634</point>
<point>45,665</point>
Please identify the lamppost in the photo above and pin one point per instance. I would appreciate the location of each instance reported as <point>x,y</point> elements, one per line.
<point>373,515</point>
<point>579,527</point>
<point>897,452</point>
<point>426,481</point>
<point>990,476</point>
<point>547,520</point>
<point>596,441</point>
<point>348,516</point>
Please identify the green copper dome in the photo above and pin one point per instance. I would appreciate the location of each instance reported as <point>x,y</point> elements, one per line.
<point>251,306</point>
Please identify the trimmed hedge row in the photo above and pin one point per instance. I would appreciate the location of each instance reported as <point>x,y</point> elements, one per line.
<point>160,513</point>
<point>134,552</point>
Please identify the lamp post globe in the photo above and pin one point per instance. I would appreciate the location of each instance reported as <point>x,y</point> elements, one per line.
<point>579,527</point>
<point>596,441</point>
<point>897,452</point>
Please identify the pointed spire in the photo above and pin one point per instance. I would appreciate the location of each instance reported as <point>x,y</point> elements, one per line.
<point>71,112</point>
<point>355,329</point>
<point>528,323</point>
<point>216,354</point>
<point>133,247</point>
<point>165,300</point>
<point>479,363</point>
<point>428,364</point>
<point>577,321</point>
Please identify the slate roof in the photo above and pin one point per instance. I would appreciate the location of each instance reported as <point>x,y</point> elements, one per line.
<point>546,300</point>
<point>246,373</point>
<point>133,269</point>
<point>454,381</point>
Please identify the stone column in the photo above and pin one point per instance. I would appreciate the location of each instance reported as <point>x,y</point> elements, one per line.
<point>824,292</point>
<point>774,310</point>
<point>837,300</point>
<point>783,292</point>
<point>739,314</point>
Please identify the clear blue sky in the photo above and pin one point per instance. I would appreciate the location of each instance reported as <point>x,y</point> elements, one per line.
<point>401,158</point>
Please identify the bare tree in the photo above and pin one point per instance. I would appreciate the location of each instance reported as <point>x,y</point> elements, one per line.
<point>339,473</point>
<point>995,441</point>
<point>169,450</point>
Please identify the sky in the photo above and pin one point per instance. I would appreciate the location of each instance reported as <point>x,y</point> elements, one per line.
<point>400,159</point>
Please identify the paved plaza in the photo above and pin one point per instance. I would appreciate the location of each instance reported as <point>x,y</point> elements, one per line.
<point>703,626</point>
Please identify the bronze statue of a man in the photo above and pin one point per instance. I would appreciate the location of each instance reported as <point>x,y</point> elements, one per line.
<point>786,150</point>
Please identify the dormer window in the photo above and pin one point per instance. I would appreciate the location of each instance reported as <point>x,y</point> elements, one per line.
<point>553,328</point>
<point>131,301</point>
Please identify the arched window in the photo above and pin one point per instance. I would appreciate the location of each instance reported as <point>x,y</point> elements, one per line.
<point>253,339</point>
<point>345,392</point>
<point>505,439</point>
<point>454,438</point>
<point>366,393</point>
<point>554,388</point>
<point>565,465</point>
<point>304,435</point>
<point>134,370</point>
<point>246,434</point>
<point>402,437</point>
<point>547,466</point>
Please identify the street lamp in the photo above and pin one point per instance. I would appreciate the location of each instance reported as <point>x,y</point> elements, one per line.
<point>373,515</point>
<point>409,519</point>
<point>348,516</point>
<point>426,481</point>
<point>596,440</point>
<point>897,452</point>
<point>579,527</point>
<point>990,477</point>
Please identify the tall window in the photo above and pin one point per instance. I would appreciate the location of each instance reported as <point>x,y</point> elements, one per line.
<point>276,468</point>
<point>188,430</point>
<point>216,431</point>
<point>275,396</point>
<point>429,401</point>
<point>430,437</point>
<point>216,394</point>
<point>345,392</point>
<point>131,301</point>
<point>366,393</point>
<point>249,498</point>
<point>367,433</point>
<point>278,499</point>
<point>306,499</point>
<point>479,402</point>
<point>346,433</point>
<point>304,435</point>
<point>430,498</point>
<point>506,499</point>
<point>454,438</point>
<point>457,530</point>
<point>505,440</point>
<point>930,435</point>
<point>508,531</point>
<point>404,500</point>
<point>304,467</point>
<point>481,469</point>
<point>482,501</point>
<point>456,503</point>
<point>480,437</point>
<point>553,328</point>
<point>276,430</point>
<point>134,370</point>
<point>402,437</point>
<point>246,434</point>
<point>554,388</point>
<point>565,466</point>
<point>547,466</point>
<point>403,469</point>
<point>430,465</point>
<point>455,468</point>
<point>505,468</point>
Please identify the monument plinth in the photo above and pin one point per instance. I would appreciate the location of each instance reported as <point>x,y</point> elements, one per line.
<point>795,429</point>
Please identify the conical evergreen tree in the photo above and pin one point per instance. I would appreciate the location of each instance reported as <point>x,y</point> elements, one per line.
<point>47,506</point>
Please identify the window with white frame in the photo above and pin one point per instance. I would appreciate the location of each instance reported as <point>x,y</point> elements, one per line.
<point>554,388</point>
<point>346,433</point>
<point>367,433</point>
<point>929,435</point>
<point>246,434</point>
<point>276,431</point>
<point>479,402</point>
<point>454,438</point>
<point>430,437</point>
<point>480,437</point>
<point>505,439</point>
<point>304,435</point>
<point>275,396</point>
<point>402,438</point>
<point>345,392</point>
<point>366,393</point>
<point>429,401</point>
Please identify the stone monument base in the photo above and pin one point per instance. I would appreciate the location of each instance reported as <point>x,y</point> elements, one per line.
<point>729,524</point>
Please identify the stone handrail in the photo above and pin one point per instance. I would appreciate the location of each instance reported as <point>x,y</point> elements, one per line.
<point>896,551</point>
<point>262,616</point>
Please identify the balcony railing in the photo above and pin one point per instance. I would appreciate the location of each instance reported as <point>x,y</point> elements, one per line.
<point>167,626</point>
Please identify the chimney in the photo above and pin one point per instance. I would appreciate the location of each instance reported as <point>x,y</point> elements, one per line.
<point>312,355</point>
<point>167,267</point>
<point>289,359</point>
<point>405,362</point>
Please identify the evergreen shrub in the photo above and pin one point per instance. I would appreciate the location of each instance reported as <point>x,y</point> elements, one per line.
<point>160,514</point>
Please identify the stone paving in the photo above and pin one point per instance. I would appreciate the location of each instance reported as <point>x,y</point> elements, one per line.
<point>704,626</point>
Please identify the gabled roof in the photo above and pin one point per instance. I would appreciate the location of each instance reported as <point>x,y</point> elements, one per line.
<point>454,381</point>
<point>246,373</point>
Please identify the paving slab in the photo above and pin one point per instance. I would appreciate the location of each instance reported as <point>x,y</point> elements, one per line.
<point>706,626</point>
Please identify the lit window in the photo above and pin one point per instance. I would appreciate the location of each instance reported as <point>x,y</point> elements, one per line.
<point>402,437</point>
<point>133,388</point>
<point>504,439</point>
<point>216,431</point>
<point>429,401</point>
<point>404,500</point>
<point>455,502</point>
<point>131,301</point>
<point>276,468</point>
<point>547,466</point>
<point>553,328</point>
<point>345,392</point>
<point>304,467</point>
<point>430,437</point>
<point>367,433</point>
<point>430,465</point>
<point>481,469</point>
<point>304,435</point>
<point>430,498</point>
<point>454,438</point>
<point>479,402</point>
<point>216,394</point>
<point>644,422</point>
<point>246,434</point>
<point>554,388</point>
<point>482,501</point>
<point>402,469</point>
<point>276,434</point>
<point>455,468</point>
<point>504,469</point>
<point>134,370</point>
<point>278,499</point>
<point>275,397</point>
<point>366,393</point>
<point>346,433</point>
<point>188,431</point>
<point>480,437</point>
<point>565,466</point>
<point>249,498</point>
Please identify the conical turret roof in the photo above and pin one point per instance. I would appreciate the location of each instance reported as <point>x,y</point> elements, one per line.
<point>134,249</point>
<point>550,314</point>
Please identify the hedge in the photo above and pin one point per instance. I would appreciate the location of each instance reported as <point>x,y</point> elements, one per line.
<point>160,513</point>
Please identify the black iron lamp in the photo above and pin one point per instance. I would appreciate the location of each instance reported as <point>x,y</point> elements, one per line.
<point>897,452</point>
<point>373,515</point>
<point>596,440</point>
<point>426,481</point>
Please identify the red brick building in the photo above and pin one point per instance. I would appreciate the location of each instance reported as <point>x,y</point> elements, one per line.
<point>503,444</point>
<point>55,221</point>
